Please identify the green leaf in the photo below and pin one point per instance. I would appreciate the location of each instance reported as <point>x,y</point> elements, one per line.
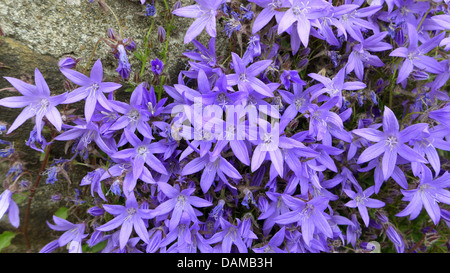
<point>62,213</point>
<point>98,247</point>
<point>20,197</point>
<point>5,239</point>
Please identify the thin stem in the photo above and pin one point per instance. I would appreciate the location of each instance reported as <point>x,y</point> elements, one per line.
<point>92,56</point>
<point>146,48</point>
<point>32,192</point>
<point>117,20</point>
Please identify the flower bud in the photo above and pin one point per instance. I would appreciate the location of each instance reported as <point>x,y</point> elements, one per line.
<point>162,35</point>
<point>67,62</point>
<point>96,211</point>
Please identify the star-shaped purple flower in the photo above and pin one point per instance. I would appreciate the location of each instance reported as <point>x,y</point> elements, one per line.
<point>428,194</point>
<point>37,102</point>
<point>91,88</point>
<point>362,201</point>
<point>390,142</point>
<point>205,13</point>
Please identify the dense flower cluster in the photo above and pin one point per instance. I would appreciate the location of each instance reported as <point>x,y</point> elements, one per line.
<point>329,125</point>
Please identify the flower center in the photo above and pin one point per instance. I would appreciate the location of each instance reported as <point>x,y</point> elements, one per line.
<point>301,10</point>
<point>275,4</point>
<point>243,77</point>
<point>142,150</point>
<point>131,211</point>
<point>93,89</point>
<point>133,115</point>
<point>391,141</point>
<point>360,199</point>
<point>299,103</point>
<point>267,139</point>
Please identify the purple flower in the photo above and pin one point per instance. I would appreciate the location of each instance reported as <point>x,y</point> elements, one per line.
<point>129,217</point>
<point>309,215</point>
<point>246,77</point>
<point>135,115</point>
<point>85,133</point>
<point>335,86</point>
<point>229,235</point>
<point>92,89</point>
<point>360,56</point>
<point>269,11</point>
<point>205,14</point>
<point>203,54</point>
<point>211,167</point>
<point>7,205</point>
<point>442,115</point>
<point>362,201</point>
<point>428,194</point>
<point>157,66</point>
<point>415,55</point>
<point>93,179</point>
<point>140,154</point>
<point>73,235</point>
<point>269,142</point>
<point>390,142</point>
<point>303,12</point>
<point>124,68</point>
<point>150,10</point>
<point>37,102</point>
<point>179,202</point>
<point>273,245</point>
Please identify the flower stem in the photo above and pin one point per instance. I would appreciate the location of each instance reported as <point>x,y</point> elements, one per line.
<point>32,192</point>
<point>146,48</point>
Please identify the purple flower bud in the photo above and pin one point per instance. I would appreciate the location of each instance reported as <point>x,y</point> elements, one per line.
<point>177,5</point>
<point>67,62</point>
<point>96,211</point>
<point>162,35</point>
<point>113,34</point>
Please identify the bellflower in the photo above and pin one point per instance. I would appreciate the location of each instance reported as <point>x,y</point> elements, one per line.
<point>362,201</point>
<point>246,77</point>
<point>273,245</point>
<point>335,86</point>
<point>428,194</point>
<point>415,55</point>
<point>37,102</point>
<point>309,215</point>
<point>205,13</point>
<point>73,235</point>
<point>129,217</point>
<point>270,9</point>
<point>179,202</point>
<point>91,89</point>
<point>390,142</point>
<point>85,133</point>
<point>360,56</point>
<point>211,166</point>
<point>229,235</point>
<point>140,154</point>
<point>203,54</point>
<point>303,12</point>
<point>157,66</point>
<point>124,68</point>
